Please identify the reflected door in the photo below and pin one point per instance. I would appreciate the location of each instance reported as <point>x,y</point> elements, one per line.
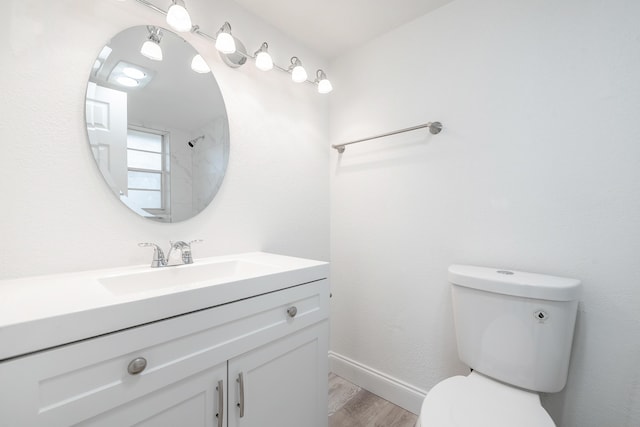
<point>107,127</point>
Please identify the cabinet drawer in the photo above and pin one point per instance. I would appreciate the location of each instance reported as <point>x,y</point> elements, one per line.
<point>69,384</point>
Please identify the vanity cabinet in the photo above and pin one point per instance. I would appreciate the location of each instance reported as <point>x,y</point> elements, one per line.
<point>257,362</point>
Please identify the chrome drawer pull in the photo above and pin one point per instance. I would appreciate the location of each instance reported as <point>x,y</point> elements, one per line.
<point>240,380</point>
<point>220,414</point>
<point>137,365</point>
<point>292,311</point>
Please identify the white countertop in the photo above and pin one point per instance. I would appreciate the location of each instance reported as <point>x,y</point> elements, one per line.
<point>46,311</point>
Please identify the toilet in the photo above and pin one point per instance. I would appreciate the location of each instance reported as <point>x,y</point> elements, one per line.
<point>514,330</point>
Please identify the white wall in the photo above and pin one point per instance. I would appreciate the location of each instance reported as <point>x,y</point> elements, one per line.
<point>538,169</point>
<point>58,215</point>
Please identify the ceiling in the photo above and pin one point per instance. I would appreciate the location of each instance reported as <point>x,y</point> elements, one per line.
<point>333,27</point>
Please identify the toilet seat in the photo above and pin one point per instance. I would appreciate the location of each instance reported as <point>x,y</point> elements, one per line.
<point>479,401</point>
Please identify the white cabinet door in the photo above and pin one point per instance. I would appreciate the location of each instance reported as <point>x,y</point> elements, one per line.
<point>196,401</point>
<point>282,384</point>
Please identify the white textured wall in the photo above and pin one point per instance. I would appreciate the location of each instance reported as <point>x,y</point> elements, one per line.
<point>538,169</point>
<point>58,215</point>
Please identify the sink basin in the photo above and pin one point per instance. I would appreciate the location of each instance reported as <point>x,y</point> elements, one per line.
<point>184,276</point>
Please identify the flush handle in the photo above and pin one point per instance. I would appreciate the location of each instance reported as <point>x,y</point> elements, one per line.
<point>541,316</point>
<point>137,365</point>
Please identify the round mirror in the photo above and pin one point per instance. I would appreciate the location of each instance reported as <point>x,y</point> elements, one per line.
<point>157,124</point>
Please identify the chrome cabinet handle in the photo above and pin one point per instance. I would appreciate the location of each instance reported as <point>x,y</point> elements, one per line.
<point>292,311</point>
<point>137,365</point>
<point>220,414</point>
<point>240,405</point>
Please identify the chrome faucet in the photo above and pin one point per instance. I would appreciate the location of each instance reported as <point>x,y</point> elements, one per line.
<point>159,260</point>
<point>185,251</point>
<point>158,256</point>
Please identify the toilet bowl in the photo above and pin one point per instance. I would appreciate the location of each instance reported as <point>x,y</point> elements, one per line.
<point>514,330</point>
<point>479,401</point>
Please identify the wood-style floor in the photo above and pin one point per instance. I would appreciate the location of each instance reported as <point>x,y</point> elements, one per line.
<point>351,406</point>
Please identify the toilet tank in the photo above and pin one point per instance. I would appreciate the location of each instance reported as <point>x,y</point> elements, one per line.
<point>513,326</point>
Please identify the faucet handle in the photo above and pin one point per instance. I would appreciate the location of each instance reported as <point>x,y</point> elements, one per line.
<point>187,257</point>
<point>158,255</point>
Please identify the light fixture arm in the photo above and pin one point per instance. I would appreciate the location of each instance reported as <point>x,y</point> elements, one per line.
<point>263,48</point>
<point>155,34</point>
<point>152,6</point>
<point>295,61</point>
<point>226,28</point>
<point>320,75</point>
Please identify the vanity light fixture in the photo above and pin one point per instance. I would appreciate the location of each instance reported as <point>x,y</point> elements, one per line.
<point>151,48</point>
<point>264,61</point>
<point>324,85</point>
<point>232,51</point>
<point>178,17</point>
<point>298,73</point>
<point>199,65</point>
<point>224,40</point>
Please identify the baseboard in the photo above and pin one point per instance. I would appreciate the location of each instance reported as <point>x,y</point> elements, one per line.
<point>392,389</point>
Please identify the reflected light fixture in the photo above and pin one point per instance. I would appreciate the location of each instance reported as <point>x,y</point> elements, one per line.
<point>324,85</point>
<point>127,81</point>
<point>101,59</point>
<point>199,65</point>
<point>264,61</point>
<point>178,17</point>
<point>224,40</point>
<point>298,73</point>
<point>129,75</point>
<point>134,73</point>
<point>151,48</point>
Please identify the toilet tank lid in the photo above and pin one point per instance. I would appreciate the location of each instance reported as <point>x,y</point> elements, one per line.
<point>516,283</point>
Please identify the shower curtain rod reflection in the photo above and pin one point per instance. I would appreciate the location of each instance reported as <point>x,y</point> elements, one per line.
<point>434,128</point>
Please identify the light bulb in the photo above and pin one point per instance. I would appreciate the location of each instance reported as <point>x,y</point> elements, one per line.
<point>178,17</point>
<point>224,40</point>
<point>324,86</point>
<point>225,43</point>
<point>199,65</point>
<point>151,50</point>
<point>264,61</point>
<point>298,74</point>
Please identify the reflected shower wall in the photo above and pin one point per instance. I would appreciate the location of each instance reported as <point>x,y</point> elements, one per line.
<point>209,162</point>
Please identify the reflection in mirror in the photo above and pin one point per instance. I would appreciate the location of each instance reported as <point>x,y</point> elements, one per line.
<point>157,124</point>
